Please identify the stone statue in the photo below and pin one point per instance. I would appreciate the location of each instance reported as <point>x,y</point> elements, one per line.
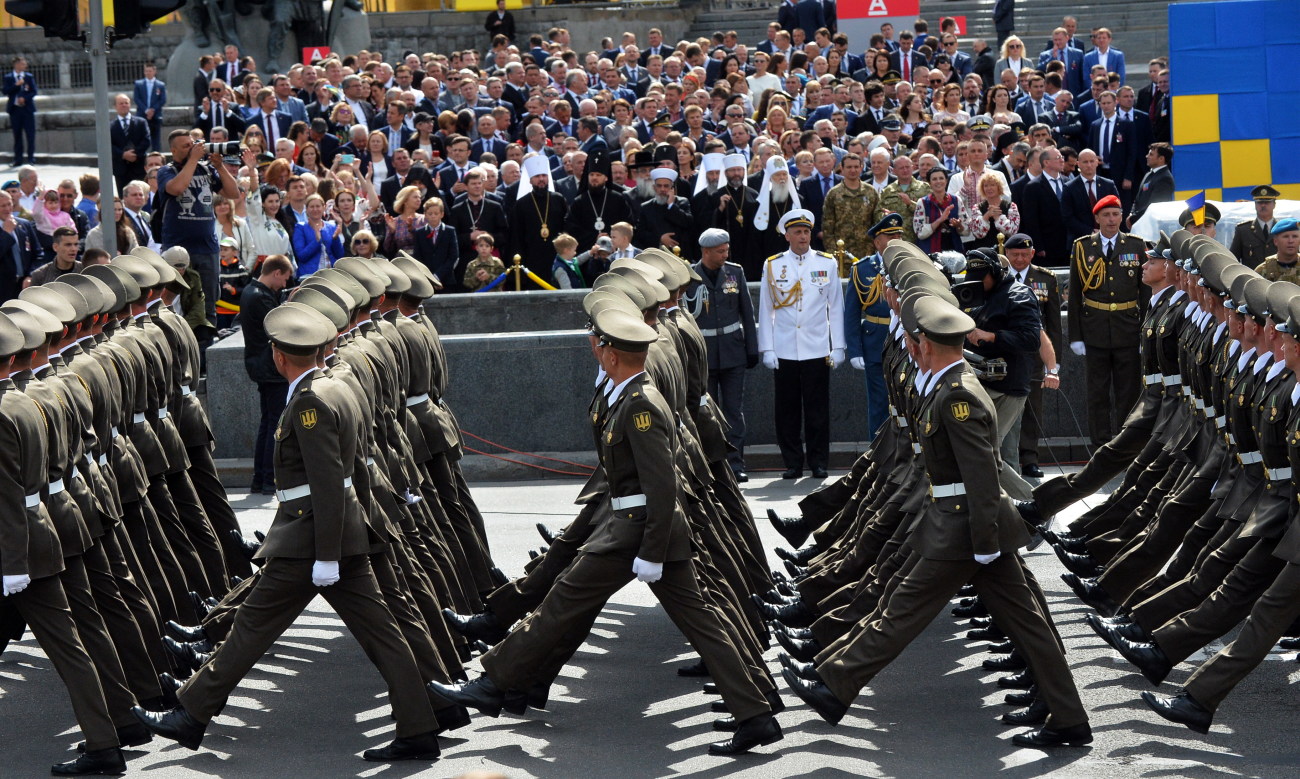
<point>213,17</point>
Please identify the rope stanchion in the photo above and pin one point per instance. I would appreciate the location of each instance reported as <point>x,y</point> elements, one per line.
<point>494,283</point>
<point>538,280</point>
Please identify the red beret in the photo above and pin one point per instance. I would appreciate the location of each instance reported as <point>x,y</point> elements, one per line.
<point>1110,201</point>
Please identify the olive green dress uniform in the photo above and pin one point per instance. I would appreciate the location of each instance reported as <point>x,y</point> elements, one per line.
<point>1105,313</point>
<point>316,453</point>
<point>847,214</point>
<point>891,201</point>
<point>1252,244</point>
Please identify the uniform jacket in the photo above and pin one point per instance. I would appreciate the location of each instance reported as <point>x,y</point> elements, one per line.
<point>638,442</point>
<point>801,306</point>
<point>1115,281</point>
<point>724,312</point>
<point>1042,282</point>
<point>959,441</point>
<point>28,541</point>
<point>316,444</point>
<point>1273,270</point>
<point>1250,243</point>
<point>866,314</point>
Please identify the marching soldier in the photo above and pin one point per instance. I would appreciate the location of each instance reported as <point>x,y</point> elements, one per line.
<point>1208,224</point>
<point>1252,242</point>
<point>866,317</point>
<point>1106,303</point>
<point>801,338</point>
<point>1283,265</point>
<point>724,310</point>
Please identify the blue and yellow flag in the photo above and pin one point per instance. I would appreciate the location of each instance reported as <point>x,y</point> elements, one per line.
<point>1196,204</point>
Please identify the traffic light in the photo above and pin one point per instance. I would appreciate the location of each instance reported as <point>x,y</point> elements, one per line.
<point>133,17</point>
<point>57,17</point>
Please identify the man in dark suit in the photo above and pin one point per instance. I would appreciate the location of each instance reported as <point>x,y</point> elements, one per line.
<point>1067,126</point>
<point>150,99</point>
<point>809,17</point>
<point>286,102</point>
<point>1004,21</point>
<point>451,174</point>
<point>813,190</point>
<point>20,249</point>
<point>393,184</point>
<point>20,89</point>
<point>130,138</point>
<point>500,22</point>
<point>1072,57</point>
<point>207,69</point>
<point>1157,185</point>
<point>905,58</point>
<point>1041,216</point>
<point>1114,142</point>
<point>476,214</point>
<point>328,144</point>
<point>655,45</point>
<point>230,70</point>
<point>589,136</point>
<point>216,111</point>
<point>1082,193</point>
<point>394,126</point>
<point>983,62</point>
<point>274,124</point>
<point>1126,99</point>
<point>1147,95</point>
<point>1031,106</point>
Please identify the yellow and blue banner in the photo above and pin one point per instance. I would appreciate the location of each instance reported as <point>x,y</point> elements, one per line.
<point>1196,204</point>
<point>1235,97</point>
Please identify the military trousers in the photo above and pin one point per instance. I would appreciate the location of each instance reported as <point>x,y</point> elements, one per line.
<point>802,412</point>
<point>1111,372</point>
<point>873,376</point>
<point>727,387</point>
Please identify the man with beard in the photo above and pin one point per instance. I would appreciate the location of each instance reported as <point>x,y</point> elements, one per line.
<point>665,219</point>
<point>599,205</point>
<point>475,215</point>
<point>776,198</point>
<point>537,215</point>
<point>705,190</point>
<point>732,208</point>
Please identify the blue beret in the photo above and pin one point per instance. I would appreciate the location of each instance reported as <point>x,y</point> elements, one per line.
<point>1284,226</point>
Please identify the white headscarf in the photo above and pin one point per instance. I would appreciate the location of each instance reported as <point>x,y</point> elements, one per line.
<point>775,164</point>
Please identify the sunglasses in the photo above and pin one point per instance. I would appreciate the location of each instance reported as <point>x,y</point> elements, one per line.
<point>1014,46</point>
<point>215,91</point>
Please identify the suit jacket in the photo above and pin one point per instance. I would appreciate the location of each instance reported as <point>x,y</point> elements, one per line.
<point>293,108</point>
<point>439,252</point>
<point>201,81</point>
<point>1004,17</point>
<point>1089,111</point>
<point>962,64</point>
<point>231,121</point>
<point>787,17</point>
<point>1123,148</point>
<point>491,145</point>
<point>811,197</point>
<point>896,60</point>
<point>1144,96</point>
<point>1114,62</point>
<point>282,123</point>
<point>983,66</point>
<point>137,138</point>
<point>1156,187</point>
<point>1030,111</point>
<point>388,190</point>
<point>1074,69</point>
<point>491,219</point>
<point>30,256</point>
<point>26,91</point>
<point>663,50</point>
<point>156,99</point>
<point>1076,206</point>
<point>810,17</point>
<point>1042,218</point>
<point>1068,130</point>
<point>594,143</point>
<point>503,25</point>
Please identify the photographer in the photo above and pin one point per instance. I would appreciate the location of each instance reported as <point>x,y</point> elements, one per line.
<point>1007,327</point>
<point>184,208</point>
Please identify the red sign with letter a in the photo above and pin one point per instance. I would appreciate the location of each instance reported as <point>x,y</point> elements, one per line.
<point>872,9</point>
<point>312,54</point>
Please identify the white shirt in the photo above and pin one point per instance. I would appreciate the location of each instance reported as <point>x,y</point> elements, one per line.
<point>618,389</point>
<point>294,384</point>
<point>810,323</point>
<point>934,379</point>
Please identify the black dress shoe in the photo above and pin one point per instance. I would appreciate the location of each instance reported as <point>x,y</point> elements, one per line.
<point>694,670</point>
<point>176,725</point>
<point>819,472</point>
<point>774,701</point>
<point>817,695</point>
<point>1076,736</point>
<point>979,622</point>
<point>796,531</point>
<point>480,694</point>
<point>515,702</point>
<point>99,762</point>
<point>803,634</point>
<point>1182,708</point>
<point>246,547</point>
<point>483,626</point>
<point>1025,698</point>
<point>189,656</point>
<point>1021,681</point>
<point>719,707</point>
<point>1291,643</point>
<point>710,688</point>
<point>185,632</point>
<point>1091,593</point>
<point>1132,631</point>
<point>1149,659</point>
<point>1012,662</point>
<point>991,633</point>
<point>1036,714</point>
<point>451,718</point>
<point>169,686</point>
<point>498,577</point>
<point>741,477</point>
<point>803,649</point>
<point>1029,512</point>
<point>726,724</point>
<point>976,609</point>
<point>1083,565</point>
<point>792,473</point>
<point>795,614</point>
<point>804,670</point>
<point>546,533</point>
<point>421,747</point>
<point>753,732</point>
<point>1031,471</point>
<point>798,556</point>
<point>133,735</point>
<point>201,607</point>
<point>1101,629</point>
<point>1001,648</point>
<point>532,554</point>
<point>967,590</point>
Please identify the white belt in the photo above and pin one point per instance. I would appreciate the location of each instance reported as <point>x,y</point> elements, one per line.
<point>417,400</point>
<point>1250,458</point>
<point>1278,474</point>
<point>704,401</point>
<point>1219,421</point>
<point>370,462</point>
<point>293,493</point>
<point>628,502</point>
<point>32,501</point>
<point>916,448</point>
<point>1210,412</point>
<point>1170,381</point>
<point>138,418</point>
<point>947,490</point>
<point>1200,404</point>
<point>162,413</point>
<point>1153,378</point>
<point>56,487</point>
<point>103,459</point>
<point>114,432</point>
<point>712,332</point>
<point>186,391</point>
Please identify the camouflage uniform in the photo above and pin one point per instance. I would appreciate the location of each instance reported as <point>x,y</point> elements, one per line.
<point>847,215</point>
<point>1273,270</point>
<point>891,199</point>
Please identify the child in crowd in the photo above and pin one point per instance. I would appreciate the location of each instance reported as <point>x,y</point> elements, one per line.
<point>485,267</point>
<point>564,268</point>
<point>234,277</point>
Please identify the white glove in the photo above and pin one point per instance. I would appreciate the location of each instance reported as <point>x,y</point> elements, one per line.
<point>769,360</point>
<point>647,572</point>
<point>1078,348</point>
<point>323,574</point>
<point>858,363</point>
<point>16,584</point>
<point>837,358</point>
<point>985,559</point>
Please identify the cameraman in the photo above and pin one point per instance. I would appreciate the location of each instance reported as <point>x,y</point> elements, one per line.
<point>1007,327</point>
<point>183,206</point>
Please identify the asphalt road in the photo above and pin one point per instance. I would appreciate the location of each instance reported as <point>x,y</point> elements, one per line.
<point>315,703</point>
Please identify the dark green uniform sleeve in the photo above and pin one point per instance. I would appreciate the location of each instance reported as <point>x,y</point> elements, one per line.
<point>317,429</point>
<point>971,426</point>
<point>649,433</point>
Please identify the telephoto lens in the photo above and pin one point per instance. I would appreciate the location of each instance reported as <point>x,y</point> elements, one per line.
<point>229,147</point>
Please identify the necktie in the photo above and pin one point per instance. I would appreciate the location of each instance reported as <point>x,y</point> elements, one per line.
<point>1092,194</point>
<point>124,125</point>
<point>148,94</point>
<point>907,65</point>
<point>144,229</point>
<point>1105,141</point>
<point>218,120</point>
<point>1106,245</point>
<point>1056,187</point>
<point>16,252</point>
<point>270,132</point>
<point>826,185</point>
